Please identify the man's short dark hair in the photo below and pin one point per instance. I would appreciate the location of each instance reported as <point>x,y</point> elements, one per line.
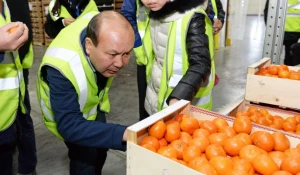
<point>92,30</point>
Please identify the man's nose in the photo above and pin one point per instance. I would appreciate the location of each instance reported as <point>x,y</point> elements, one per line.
<point>118,62</point>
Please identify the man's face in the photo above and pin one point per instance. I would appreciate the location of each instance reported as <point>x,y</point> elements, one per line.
<point>112,51</point>
<point>154,5</point>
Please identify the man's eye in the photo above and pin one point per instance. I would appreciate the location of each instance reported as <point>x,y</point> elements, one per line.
<point>113,55</point>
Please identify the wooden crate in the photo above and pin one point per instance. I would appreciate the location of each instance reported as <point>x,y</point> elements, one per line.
<point>276,91</point>
<point>143,161</point>
<point>241,105</point>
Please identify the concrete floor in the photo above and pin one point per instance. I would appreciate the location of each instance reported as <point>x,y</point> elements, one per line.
<point>231,64</point>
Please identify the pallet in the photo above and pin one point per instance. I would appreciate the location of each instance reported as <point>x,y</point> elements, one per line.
<point>269,90</point>
<point>118,5</point>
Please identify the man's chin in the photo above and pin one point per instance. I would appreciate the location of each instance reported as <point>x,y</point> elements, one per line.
<point>109,74</point>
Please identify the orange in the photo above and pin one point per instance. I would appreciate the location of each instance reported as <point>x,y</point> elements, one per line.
<point>11,30</point>
<point>217,138</point>
<point>236,172</point>
<point>163,142</point>
<point>264,164</point>
<point>198,133</point>
<point>262,71</point>
<point>291,120</point>
<point>172,132</point>
<point>252,109</point>
<point>284,74</point>
<point>242,124</point>
<point>262,121</point>
<point>220,123</point>
<point>232,146</point>
<point>291,164</point>
<point>179,117</point>
<point>282,143</point>
<point>189,125</point>
<point>186,137</point>
<point>292,152</point>
<point>283,67</point>
<point>294,76</point>
<point>214,150</point>
<point>269,118</point>
<point>221,164</point>
<point>249,152</point>
<point>238,114</point>
<point>298,147</point>
<point>206,169</point>
<point>281,173</point>
<point>198,161</point>
<point>149,147</point>
<point>277,156</point>
<point>297,117</point>
<point>191,153</point>
<point>254,118</point>
<point>151,141</point>
<point>289,126</point>
<point>264,112</point>
<point>243,165</point>
<point>229,131</point>
<point>209,126</point>
<point>263,140</point>
<point>201,143</point>
<point>171,121</point>
<point>168,152</point>
<point>273,70</point>
<point>179,146</point>
<point>245,138</point>
<point>157,130</point>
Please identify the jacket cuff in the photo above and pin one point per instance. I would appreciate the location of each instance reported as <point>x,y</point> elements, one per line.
<point>117,139</point>
<point>182,91</point>
<point>140,55</point>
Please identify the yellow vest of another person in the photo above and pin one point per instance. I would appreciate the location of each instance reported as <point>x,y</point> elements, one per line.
<point>12,87</point>
<point>177,31</point>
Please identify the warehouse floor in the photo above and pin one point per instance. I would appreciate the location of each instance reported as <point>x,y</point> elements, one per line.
<point>231,63</point>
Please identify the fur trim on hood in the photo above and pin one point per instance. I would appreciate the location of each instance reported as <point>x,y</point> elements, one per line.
<point>179,6</point>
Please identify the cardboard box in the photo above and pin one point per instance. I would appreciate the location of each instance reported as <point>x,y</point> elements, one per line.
<point>142,161</point>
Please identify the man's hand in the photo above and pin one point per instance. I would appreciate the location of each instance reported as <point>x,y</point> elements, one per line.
<point>217,25</point>
<point>125,136</point>
<point>68,21</point>
<point>14,40</point>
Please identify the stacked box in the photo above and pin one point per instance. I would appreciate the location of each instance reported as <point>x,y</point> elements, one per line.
<point>45,5</point>
<point>36,16</point>
<point>118,5</point>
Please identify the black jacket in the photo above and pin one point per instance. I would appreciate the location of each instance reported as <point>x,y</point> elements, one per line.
<point>197,45</point>
<point>52,28</point>
<point>19,11</point>
<point>221,12</point>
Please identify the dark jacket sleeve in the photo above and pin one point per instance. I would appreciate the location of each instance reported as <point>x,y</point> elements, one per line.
<point>52,28</point>
<point>71,124</point>
<point>197,44</point>
<point>19,11</point>
<point>221,12</point>
<point>129,11</point>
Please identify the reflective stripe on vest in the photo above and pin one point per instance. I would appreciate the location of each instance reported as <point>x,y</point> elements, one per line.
<point>292,23</point>
<point>142,18</point>
<point>65,14</point>
<point>77,69</point>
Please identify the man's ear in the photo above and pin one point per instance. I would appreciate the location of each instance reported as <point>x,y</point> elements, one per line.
<point>88,45</point>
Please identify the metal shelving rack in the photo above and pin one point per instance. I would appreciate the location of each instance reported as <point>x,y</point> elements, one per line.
<point>275,30</point>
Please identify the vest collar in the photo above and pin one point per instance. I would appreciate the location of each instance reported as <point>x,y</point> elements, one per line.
<point>82,43</point>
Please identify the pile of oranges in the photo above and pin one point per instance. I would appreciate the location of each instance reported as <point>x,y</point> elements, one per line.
<point>281,71</point>
<point>262,116</point>
<point>215,148</point>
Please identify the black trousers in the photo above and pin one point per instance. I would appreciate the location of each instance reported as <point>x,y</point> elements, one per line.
<point>87,160</point>
<point>142,86</point>
<point>289,59</point>
<point>21,132</point>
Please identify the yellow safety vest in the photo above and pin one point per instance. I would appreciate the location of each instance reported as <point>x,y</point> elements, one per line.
<point>28,59</point>
<point>11,82</point>
<point>177,32</point>
<point>65,14</point>
<point>292,22</point>
<point>66,55</point>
